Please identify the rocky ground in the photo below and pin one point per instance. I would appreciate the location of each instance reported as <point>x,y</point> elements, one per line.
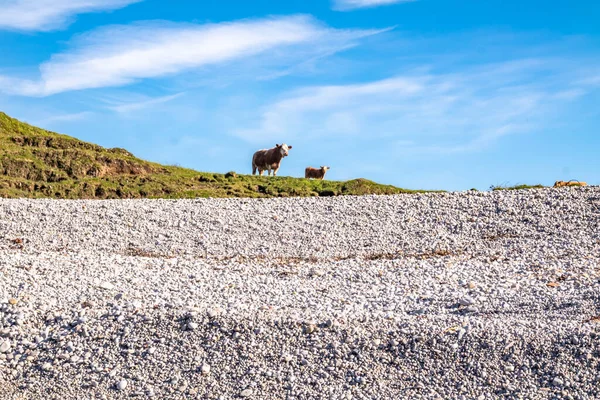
<point>472,295</point>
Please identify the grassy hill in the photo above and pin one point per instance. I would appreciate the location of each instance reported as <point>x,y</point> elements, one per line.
<point>38,163</point>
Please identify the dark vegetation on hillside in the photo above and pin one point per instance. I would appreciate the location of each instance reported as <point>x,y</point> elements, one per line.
<point>516,187</point>
<point>38,163</point>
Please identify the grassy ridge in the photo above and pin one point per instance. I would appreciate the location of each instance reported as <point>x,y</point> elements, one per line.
<point>517,187</point>
<point>38,163</point>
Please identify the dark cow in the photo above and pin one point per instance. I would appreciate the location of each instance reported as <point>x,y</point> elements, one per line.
<point>269,160</point>
<point>315,173</point>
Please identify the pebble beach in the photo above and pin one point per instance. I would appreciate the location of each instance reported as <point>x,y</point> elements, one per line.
<point>466,295</point>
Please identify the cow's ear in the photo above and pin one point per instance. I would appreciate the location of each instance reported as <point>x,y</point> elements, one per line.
<point>277,145</point>
<point>289,147</point>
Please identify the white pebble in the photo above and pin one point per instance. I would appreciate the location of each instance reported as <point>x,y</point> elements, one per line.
<point>5,346</point>
<point>122,384</point>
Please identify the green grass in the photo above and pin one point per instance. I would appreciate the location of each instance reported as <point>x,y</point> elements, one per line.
<point>517,187</point>
<point>37,163</point>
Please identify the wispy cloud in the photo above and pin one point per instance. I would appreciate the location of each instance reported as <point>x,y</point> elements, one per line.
<point>436,112</point>
<point>593,80</point>
<point>46,15</point>
<point>120,55</point>
<point>346,5</point>
<point>65,118</point>
<point>124,108</point>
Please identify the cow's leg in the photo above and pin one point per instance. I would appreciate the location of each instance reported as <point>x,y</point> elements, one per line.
<point>260,172</point>
<point>269,172</point>
<point>253,169</point>
<point>275,172</point>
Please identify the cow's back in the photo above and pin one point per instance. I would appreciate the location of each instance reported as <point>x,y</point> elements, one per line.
<point>311,172</point>
<point>259,158</point>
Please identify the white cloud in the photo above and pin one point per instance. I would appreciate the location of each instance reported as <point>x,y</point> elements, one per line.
<point>120,55</point>
<point>436,112</point>
<point>346,5</point>
<point>124,108</point>
<point>46,15</point>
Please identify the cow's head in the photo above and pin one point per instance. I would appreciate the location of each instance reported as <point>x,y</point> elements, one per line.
<point>324,168</point>
<point>559,183</point>
<point>283,149</point>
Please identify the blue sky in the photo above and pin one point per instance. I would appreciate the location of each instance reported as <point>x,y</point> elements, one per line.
<point>433,94</point>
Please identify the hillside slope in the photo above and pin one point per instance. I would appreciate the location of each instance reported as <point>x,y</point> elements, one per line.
<point>38,163</point>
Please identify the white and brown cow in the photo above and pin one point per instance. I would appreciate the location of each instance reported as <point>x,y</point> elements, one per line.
<point>315,173</point>
<point>269,159</point>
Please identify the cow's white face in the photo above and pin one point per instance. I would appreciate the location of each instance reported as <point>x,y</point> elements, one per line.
<point>284,149</point>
